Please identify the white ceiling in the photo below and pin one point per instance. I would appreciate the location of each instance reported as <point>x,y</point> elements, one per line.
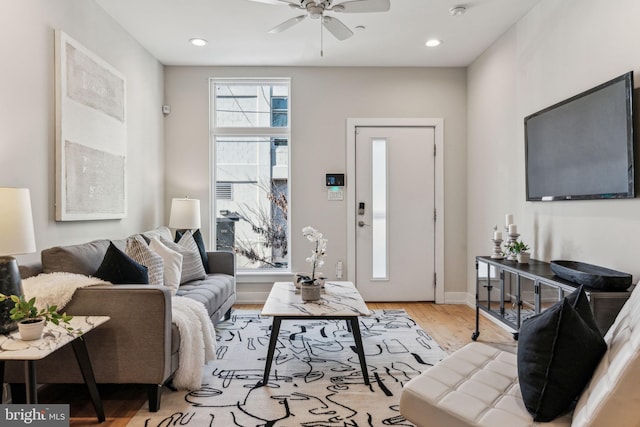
<point>237,32</point>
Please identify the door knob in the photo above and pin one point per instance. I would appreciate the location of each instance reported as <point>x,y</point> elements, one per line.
<point>362,224</point>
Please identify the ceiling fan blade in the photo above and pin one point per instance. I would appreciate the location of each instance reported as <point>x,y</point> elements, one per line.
<point>286,24</point>
<point>362,6</point>
<point>337,28</point>
<point>279,2</point>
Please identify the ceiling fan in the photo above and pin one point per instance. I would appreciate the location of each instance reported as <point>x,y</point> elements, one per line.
<point>316,9</point>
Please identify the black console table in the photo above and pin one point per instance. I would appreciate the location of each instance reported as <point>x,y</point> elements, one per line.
<point>511,292</point>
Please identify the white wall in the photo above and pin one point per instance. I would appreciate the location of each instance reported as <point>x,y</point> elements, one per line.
<point>27,121</point>
<point>322,99</point>
<point>559,49</point>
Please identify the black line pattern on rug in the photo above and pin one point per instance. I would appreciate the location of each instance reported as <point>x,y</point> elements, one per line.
<point>315,380</point>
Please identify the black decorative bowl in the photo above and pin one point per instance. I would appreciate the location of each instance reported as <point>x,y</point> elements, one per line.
<point>591,276</point>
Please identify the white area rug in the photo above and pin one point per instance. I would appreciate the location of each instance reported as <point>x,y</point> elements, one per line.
<point>315,377</point>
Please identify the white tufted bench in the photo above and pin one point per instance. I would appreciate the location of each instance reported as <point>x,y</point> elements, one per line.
<point>478,385</point>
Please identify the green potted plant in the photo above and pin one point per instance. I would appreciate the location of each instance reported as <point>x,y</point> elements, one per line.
<point>31,320</point>
<point>519,249</point>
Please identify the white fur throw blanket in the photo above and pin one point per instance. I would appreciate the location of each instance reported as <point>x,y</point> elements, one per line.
<point>197,341</point>
<point>56,288</point>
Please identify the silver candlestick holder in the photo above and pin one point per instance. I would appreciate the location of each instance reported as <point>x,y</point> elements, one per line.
<point>512,239</point>
<point>497,249</point>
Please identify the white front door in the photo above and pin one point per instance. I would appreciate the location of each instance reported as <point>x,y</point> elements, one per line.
<point>395,213</point>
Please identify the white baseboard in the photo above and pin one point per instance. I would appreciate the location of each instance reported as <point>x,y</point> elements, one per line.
<point>252,297</point>
<point>456,298</point>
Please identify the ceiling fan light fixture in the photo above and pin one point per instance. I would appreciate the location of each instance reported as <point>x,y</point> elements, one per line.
<point>457,10</point>
<point>433,43</point>
<point>196,41</point>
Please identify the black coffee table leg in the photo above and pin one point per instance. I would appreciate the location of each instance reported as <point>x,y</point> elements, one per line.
<point>275,330</point>
<point>355,328</point>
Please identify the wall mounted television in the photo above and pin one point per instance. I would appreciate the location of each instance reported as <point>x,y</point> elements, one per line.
<point>583,147</point>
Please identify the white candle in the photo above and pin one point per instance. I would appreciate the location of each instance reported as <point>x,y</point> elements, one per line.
<point>497,235</point>
<point>508,219</point>
<point>513,229</point>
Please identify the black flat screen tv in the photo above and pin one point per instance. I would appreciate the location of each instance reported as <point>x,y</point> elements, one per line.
<point>583,147</point>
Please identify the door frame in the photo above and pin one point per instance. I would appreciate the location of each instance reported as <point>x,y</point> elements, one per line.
<point>438,125</point>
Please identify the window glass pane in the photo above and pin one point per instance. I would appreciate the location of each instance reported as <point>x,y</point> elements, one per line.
<point>248,105</point>
<point>252,213</point>
<point>379,208</point>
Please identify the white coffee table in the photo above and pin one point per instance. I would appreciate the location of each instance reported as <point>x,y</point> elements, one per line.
<point>338,301</point>
<point>53,338</point>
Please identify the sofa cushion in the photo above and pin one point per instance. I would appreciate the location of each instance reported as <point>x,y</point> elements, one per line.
<point>172,262</point>
<point>212,291</point>
<point>118,268</point>
<point>197,237</point>
<point>79,259</point>
<point>578,300</point>
<point>557,354</point>
<point>612,396</point>
<point>140,252</point>
<point>475,386</point>
<point>192,268</point>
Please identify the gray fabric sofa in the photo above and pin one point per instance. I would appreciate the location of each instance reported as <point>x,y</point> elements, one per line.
<point>139,344</point>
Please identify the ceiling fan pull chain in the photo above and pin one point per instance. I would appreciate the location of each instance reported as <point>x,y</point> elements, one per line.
<point>321,39</point>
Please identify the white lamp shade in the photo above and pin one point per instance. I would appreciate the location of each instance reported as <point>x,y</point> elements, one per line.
<point>185,214</point>
<point>16,222</point>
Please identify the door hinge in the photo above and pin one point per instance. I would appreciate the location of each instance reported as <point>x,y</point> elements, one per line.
<point>435,215</point>
<point>435,279</point>
<point>434,150</point>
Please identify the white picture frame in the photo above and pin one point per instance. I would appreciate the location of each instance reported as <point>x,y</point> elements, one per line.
<point>91,135</point>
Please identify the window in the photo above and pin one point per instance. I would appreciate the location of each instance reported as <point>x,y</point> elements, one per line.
<point>250,170</point>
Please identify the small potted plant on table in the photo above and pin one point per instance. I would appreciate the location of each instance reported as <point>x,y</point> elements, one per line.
<point>31,320</point>
<point>519,248</point>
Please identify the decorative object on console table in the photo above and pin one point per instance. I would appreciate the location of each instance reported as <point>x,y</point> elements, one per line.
<point>16,237</point>
<point>497,244</point>
<point>519,248</point>
<point>591,276</point>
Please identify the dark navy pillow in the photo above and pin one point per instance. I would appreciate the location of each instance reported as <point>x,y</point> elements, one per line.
<point>558,351</point>
<point>119,268</point>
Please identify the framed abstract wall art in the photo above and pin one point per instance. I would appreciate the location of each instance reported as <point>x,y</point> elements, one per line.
<point>91,135</point>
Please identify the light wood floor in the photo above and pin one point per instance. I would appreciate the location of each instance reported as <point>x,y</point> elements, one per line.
<point>450,325</point>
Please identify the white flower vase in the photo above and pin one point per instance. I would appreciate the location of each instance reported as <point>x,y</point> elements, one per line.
<point>523,257</point>
<point>310,292</point>
<point>31,329</point>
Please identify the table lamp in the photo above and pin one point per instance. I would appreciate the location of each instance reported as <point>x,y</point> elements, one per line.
<point>16,237</point>
<point>185,214</point>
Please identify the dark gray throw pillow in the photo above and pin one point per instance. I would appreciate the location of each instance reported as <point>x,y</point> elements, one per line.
<point>119,268</point>
<point>578,300</point>
<point>558,352</point>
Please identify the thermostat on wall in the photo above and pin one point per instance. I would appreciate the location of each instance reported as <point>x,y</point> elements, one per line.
<point>335,180</point>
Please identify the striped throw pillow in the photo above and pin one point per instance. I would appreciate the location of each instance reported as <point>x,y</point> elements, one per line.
<point>138,250</point>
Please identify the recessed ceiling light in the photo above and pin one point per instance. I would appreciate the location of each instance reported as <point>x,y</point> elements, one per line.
<point>198,42</point>
<point>433,43</point>
<point>457,10</point>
